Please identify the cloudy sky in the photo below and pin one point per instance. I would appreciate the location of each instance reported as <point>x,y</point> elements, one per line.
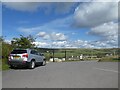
<point>63,24</point>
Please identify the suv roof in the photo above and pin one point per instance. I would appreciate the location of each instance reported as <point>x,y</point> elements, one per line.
<point>20,49</point>
<point>23,49</point>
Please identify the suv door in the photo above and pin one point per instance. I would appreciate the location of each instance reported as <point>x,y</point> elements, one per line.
<point>37,56</point>
<point>33,55</point>
<point>41,57</point>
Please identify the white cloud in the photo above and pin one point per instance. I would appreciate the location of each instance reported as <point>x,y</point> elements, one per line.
<point>95,44</point>
<point>58,36</point>
<point>72,44</point>
<point>105,44</point>
<point>41,34</point>
<point>47,37</point>
<point>77,44</point>
<point>95,13</point>
<point>83,44</point>
<point>52,36</point>
<point>44,35</point>
<point>59,44</point>
<point>41,44</point>
<point>107,31</point>
<point>55,44</point>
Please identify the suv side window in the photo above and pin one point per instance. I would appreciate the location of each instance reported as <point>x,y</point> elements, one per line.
<point>34,52</point>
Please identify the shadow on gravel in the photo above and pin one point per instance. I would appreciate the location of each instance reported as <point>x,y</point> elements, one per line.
<point>25,68</point>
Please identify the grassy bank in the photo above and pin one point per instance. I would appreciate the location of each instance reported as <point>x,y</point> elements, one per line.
<point>110,59</point>
<point>5,66</point>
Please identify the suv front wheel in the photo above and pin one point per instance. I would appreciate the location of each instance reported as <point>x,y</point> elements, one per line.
<point>32,65</point>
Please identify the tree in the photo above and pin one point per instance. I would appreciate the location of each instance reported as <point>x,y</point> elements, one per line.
<point>23,42</point>
<point>5,48</point>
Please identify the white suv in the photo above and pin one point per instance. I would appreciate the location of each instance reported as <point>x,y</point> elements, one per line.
<point>26,57</point>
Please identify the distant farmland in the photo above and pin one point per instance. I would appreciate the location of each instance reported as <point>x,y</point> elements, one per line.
<point>104,54</point>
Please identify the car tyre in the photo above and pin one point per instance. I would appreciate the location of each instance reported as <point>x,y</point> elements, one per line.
<point>32,65</point>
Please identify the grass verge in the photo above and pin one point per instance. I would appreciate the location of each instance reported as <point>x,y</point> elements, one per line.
<point>110,59</point>
<point>5,66</point>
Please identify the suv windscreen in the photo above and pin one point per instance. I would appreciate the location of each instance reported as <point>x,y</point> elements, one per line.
<point>18,51</point>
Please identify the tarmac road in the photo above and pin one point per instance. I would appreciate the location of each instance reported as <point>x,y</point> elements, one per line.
<point>64,75</point>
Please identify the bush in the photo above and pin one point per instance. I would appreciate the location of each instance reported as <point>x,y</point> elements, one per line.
<point>5,66</point>
<point>6,49</point>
